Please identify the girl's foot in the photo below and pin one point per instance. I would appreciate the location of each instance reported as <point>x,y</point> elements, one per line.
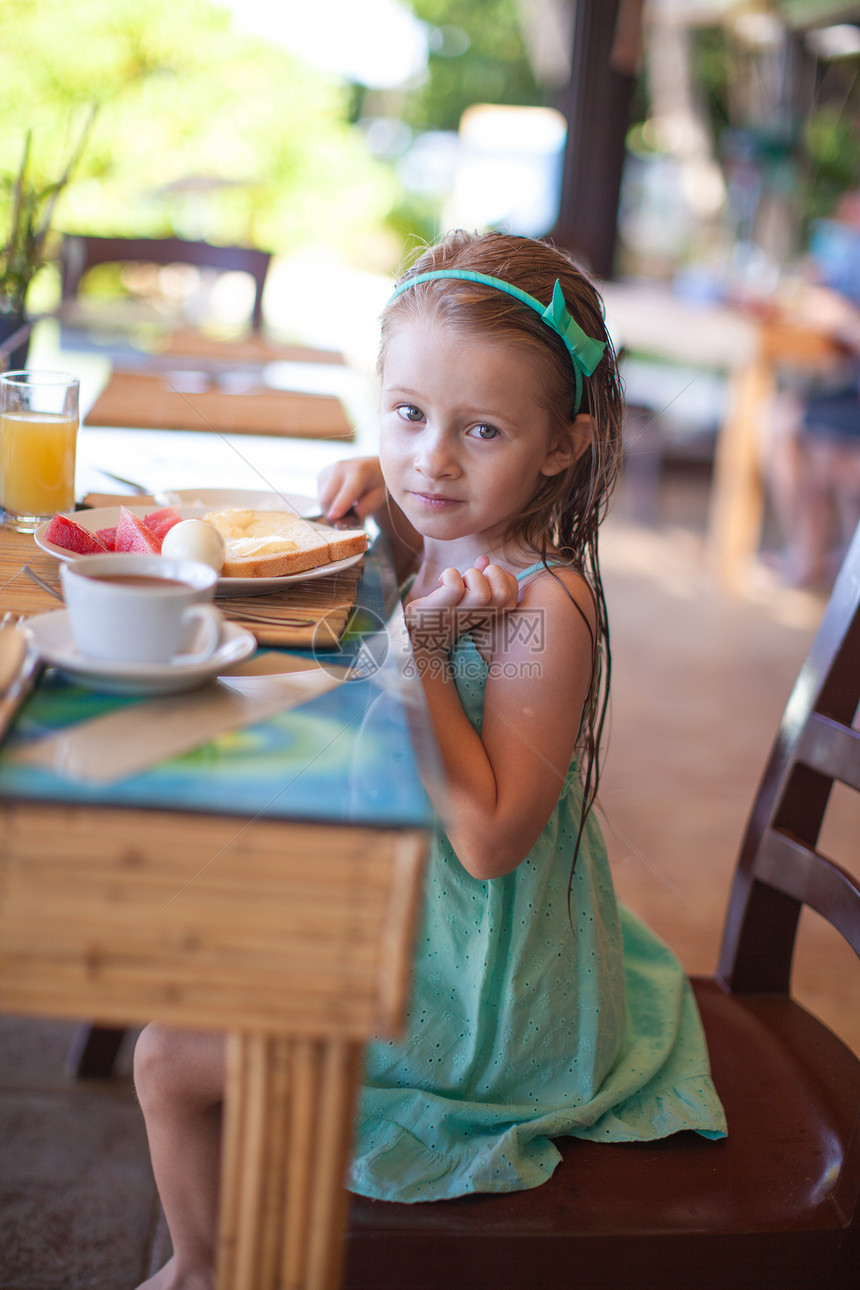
<point>168,1278</point>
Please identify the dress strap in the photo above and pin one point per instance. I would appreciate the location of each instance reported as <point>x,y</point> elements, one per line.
<point>539,564</point>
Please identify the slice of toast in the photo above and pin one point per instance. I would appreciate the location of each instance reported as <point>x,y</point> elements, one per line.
<point>275,544</point>
<point>343,542</point>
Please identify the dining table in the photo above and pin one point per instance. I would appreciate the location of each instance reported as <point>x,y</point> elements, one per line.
<point>750,345</point>
<point>245,857</point>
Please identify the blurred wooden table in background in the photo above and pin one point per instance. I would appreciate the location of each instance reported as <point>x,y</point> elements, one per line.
<point>749,349</point>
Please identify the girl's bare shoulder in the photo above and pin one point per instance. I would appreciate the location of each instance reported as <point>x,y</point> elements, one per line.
<point>559,589</point>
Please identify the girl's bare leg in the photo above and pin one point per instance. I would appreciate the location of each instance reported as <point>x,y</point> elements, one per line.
<point>179,1077</point>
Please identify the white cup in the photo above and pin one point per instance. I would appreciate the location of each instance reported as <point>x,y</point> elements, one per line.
<point>126,608</point>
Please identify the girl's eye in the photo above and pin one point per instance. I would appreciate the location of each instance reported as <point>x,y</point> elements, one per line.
<point>409,413</point>
<point>484,432</point>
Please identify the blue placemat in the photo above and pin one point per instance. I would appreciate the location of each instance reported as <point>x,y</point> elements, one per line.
<point>350,755</point>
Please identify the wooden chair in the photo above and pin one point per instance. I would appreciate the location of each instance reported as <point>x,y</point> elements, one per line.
<point>81,253</point>
<point>776,1203</point>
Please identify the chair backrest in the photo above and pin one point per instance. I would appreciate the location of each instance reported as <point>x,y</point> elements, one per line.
<point>80,253</point>
<point>779,868</point>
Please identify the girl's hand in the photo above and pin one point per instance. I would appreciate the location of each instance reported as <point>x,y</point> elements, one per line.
<point>461,603</point>
<point>355,484</point>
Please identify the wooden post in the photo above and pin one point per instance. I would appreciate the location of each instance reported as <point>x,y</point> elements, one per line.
<point>596,104</point>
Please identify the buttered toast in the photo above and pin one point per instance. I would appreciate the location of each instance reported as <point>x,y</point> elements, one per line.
<point>274,544</point>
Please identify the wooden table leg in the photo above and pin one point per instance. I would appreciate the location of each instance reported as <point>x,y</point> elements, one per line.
<point>737,499</point>
<point>287,1133</point>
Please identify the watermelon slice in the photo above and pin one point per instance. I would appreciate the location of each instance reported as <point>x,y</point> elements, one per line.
<point>160,522</point>
<point>108,536</point>
<point>132,534</point>
<point>72,536</point>
<point>154,518</point>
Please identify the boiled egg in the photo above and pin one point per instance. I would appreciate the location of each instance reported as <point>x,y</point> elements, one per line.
<point>195,540</point>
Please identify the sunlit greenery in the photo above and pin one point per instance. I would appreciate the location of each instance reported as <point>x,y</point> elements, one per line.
<point>202,131</point>
<point>832,144</point>
<point>477,55</point>
<point>810,137</point>
<point>31,207</point>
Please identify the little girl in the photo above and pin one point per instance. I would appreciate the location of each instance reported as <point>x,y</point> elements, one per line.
<point>539,1008</point>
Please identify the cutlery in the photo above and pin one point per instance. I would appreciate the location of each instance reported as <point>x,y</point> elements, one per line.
<point>20,669</point>
<point>40,582</point>
<point>163,497</point>
<point>350,520</point>
<point>273,620</point>
<point>13,647</point>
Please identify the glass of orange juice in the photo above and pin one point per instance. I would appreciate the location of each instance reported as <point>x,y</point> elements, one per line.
<point>38,436</point>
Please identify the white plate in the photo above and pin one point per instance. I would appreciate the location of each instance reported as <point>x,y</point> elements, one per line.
<point>51,635</point>
<point>195,503</point>
<point>218,499</point>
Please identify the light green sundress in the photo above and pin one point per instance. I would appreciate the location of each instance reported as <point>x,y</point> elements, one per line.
<point>530,1019</point>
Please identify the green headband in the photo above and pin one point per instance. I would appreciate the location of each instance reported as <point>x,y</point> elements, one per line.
<point>585,352</point>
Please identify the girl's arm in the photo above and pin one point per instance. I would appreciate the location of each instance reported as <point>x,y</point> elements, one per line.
<point>502,784</point>
<point>357,484</point>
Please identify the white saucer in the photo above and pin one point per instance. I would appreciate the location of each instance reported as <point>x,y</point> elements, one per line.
<point>52,636</point>
<point>105,517</point>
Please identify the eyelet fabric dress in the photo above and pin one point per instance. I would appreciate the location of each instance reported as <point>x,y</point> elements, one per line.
<point>532,1016</point>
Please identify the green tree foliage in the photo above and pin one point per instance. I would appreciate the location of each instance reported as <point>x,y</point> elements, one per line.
<point>31,209</point>
<point>202,131</point>
<point>831,140</point>
<point>811,143</point>
<point>477,55</point>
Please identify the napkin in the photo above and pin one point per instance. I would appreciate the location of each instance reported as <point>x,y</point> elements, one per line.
<point>133,738</point>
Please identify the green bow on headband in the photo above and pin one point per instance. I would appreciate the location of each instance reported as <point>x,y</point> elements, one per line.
<point>585,352</point>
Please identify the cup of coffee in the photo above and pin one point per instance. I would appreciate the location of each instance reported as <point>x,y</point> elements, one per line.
<point>140,609</point>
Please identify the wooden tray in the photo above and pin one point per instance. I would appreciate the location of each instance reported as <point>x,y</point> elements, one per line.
<point>146,400</point>
<point>304,614</point>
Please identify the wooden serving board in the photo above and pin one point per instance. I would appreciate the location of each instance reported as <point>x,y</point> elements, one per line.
<point>303,615</point>
<point>146,400</point>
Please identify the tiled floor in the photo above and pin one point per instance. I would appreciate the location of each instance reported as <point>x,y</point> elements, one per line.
<point>78,1209</point>
<point>699,683</point>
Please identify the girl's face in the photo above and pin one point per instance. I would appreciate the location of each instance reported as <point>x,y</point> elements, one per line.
<point>464,441</point>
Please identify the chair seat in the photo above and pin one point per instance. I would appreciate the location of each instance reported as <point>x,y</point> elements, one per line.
<point>768,1206</point>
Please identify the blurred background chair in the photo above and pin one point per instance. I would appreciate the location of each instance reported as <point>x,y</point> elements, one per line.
<point>142,261</point>
<point>775,1205</point>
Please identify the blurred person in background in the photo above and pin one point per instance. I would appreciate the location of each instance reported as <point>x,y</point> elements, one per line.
<point>812,456</point>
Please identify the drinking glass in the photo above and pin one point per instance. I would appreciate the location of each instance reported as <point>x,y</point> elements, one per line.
<point>38,436</point>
